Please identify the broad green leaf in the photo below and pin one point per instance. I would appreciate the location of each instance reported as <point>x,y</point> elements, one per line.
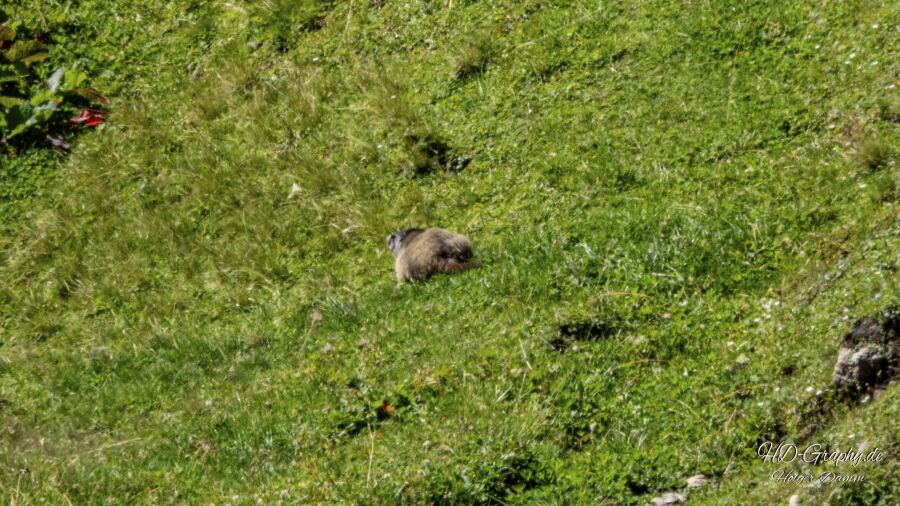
<point>74,78</point>
<point>8,73</point>
<point>15,119</point>
<point>7,102</point>
<point>35,58</point>
<point>41,96</point>
<point>26,52</point>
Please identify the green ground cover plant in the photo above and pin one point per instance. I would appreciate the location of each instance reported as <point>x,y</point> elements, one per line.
<point>679,207</point>
<point>33,99</point>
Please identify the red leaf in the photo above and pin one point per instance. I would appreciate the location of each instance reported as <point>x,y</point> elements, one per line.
<point>88,117</point>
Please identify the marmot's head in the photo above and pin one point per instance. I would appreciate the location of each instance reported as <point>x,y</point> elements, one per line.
<point>393,241</point>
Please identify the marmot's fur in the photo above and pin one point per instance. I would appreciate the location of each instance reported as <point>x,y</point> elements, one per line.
<point>420,254</point>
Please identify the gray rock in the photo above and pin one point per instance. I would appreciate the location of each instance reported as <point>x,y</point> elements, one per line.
<point>697,480</point>
<point>667,498</point>
<point>869,354</point>
<point>861,367</point>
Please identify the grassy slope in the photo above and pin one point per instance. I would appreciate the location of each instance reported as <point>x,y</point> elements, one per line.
<point>690,175</point>
<point>122,47</point>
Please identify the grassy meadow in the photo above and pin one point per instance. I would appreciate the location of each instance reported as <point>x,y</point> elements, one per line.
<point>680,208</point>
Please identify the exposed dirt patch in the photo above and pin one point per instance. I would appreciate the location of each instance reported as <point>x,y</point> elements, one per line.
<point>570,333</point>
<point>428,153</point>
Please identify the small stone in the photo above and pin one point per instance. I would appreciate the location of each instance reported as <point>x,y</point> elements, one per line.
<point>697,480</point>
<point>869,355</point>
<point>858,368</point>
<point>636,340</point>
<point>295,190</point>
<point>668,498</point>
<point>794,500</point>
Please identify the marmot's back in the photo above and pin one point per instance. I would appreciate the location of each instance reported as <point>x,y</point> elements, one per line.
<point>423,253</point>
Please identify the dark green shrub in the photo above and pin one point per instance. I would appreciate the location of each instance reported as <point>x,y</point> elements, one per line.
<point>32,103</point>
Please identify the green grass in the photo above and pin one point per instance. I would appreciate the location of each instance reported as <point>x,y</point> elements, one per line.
<point>696,177</point>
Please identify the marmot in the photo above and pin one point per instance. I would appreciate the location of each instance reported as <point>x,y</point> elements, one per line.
<point>419,254</point>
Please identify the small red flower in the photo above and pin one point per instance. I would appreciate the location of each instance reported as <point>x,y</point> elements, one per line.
<point>383,412</point>
<point>89,118</point>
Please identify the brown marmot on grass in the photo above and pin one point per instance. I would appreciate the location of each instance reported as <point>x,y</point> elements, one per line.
<point>420,254</point>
